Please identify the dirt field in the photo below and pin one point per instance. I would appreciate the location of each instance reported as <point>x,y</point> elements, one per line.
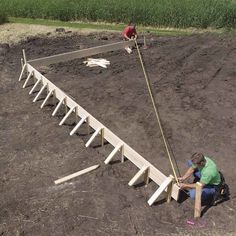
<point>194,79</point>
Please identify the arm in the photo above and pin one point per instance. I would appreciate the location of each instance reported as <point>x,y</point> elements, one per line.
<point>188,173</point>
<point>189,186</point>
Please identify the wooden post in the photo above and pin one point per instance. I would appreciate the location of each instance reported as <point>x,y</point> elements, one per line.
<point>102,137</point>
<point>93,137</point>
<point>24,56</point>
<point>76,114</point>
<point>122,153</point>
<point>146,177</point>
<point>169,189</point>
<point>88,125</point>
<point>22,63</point>
<point>198,200</point>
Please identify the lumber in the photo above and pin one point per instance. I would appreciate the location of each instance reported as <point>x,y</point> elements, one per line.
<point>57,107</point>
<point>78,125</point>
<point>157,176</point>
<point>46,99</point>
<point>39,93</point>
<point>138,175</point>
<point>93,137</point>
<point>76,174</point>
<point>198,200</point>
<point>27,79</point>
<point>159,191</point>
<point>22,72</point>
<point>67,115</point>
<point>35,85</point>
<point>169,189</point>
<point>79,53</point>
<point>113,153</point>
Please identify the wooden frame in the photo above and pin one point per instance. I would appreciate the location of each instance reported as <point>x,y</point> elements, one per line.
<point>126,151</point>
<point>198,200</point>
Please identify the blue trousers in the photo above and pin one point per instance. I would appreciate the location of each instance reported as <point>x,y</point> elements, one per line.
<point>207,191</point>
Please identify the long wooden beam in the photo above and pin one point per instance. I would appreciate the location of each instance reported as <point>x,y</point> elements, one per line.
<point>80,53</point>
<point>154,174</point>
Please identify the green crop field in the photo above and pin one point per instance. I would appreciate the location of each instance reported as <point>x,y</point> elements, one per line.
<point>164,13</point>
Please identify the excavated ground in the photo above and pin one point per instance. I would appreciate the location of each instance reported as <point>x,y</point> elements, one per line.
<point>194,81</point>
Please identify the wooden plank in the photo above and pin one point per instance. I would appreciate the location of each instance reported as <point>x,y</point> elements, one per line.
<point>46,99</point>
<point>157,176</point>
<point>81,172</point>
<point>39,93</point>
<point>93,137</point>
<point>58,106</point>
<point>67,115</point>
<point>138,175</point>
<point>113,153</point>
<point>80,53</point>
<point>160,190</point>
<point>198,200</point>
<point>78,125</point>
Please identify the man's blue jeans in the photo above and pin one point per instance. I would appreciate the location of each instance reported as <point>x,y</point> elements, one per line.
<point>208,190</point>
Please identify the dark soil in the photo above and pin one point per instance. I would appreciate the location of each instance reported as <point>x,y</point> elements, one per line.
<point>194,80</point>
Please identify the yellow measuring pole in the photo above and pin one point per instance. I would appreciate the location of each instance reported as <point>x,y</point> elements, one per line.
<point>156,111</point>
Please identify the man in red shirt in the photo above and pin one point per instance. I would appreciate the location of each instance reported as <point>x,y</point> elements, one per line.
<point>129,32</point>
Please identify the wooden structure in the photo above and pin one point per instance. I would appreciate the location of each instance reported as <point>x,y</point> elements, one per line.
<point>198,200</point>
<point>146,169</point>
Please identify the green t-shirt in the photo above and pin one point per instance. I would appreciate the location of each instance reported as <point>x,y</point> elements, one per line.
<point>209,173</point>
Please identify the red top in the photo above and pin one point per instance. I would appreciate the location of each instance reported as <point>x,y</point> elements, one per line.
<point>129,31</point>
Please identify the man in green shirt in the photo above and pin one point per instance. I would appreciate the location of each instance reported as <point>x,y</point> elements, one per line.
<point>205,171</point>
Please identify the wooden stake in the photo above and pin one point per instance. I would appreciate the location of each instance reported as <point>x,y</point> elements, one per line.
<point>78,125</point>
<point>138,175</point>
<point>57,107</point>
<point>198,200</point>
<point>35,85</point>
<point>102,137</point>
<point>93,137</point>
<point>66,116</point>
<point>158,192</point>
<point>113,153</point>
<point>22,63</point>
<point>59,181</point>
<point>24,56</point>
<point>169,189</point>
<point>27,79</point>
<point>88,125</point>
<point>46,99</point>
<point>41,90</point>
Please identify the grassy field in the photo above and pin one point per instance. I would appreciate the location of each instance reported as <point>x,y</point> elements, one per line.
<point>164,13</point>
<point>3,17</point>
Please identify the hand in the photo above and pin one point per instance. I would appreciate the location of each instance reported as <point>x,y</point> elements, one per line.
<point>181,179</point>
<point>182,186</point>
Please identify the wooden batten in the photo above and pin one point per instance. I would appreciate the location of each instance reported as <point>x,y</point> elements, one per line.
<point>22,72</point>
<point>80,53</point>
<point>113,153</point>
<point>27,79</point>
<point>40,92</point>
<point>67,115</point>
<point>35,85</point>
<point>78,125</point>
<point>138,175</point>
<point>160,190</point>
<point>57,107</point>
<point>46,99</point>
<point>93,137</point>
<point>69,177</point>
